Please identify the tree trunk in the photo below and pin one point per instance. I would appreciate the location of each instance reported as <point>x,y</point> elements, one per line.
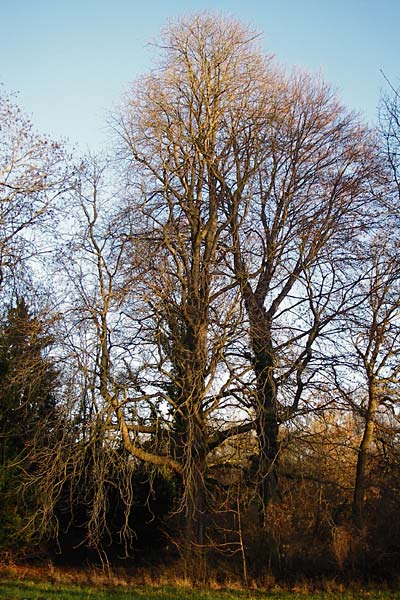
<point>194,521</point>
<point>267,427</point>
<point>362,458</point>
<point>191,451</point>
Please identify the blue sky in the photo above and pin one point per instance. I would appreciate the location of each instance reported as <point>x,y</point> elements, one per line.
<point>70,60</point>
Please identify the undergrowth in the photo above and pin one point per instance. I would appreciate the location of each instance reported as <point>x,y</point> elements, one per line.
<point>49,583</point>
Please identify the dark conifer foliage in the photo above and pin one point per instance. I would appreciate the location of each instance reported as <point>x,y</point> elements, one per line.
<point>28,385</point>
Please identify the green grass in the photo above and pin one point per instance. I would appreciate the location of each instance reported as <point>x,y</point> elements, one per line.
<point>30,590</point>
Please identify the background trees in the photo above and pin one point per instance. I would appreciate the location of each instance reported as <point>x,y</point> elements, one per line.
<point>33,172</point>
<point>374,331</point>
<point>28,413</point>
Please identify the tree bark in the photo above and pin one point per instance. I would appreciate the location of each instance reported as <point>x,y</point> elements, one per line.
<point>194,518</point>
<point>362,457</point>
<point>267,425</point>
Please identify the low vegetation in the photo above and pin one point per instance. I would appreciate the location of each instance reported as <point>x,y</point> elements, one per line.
<point>52,584</point>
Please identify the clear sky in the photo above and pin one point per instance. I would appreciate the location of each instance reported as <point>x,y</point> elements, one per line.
<point>70,60</point>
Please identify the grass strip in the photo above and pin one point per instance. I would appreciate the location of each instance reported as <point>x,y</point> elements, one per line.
<point>32,590</point>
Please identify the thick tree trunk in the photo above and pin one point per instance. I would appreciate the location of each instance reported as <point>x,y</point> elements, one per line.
<point>362,458</point>
<point>191,449</point>
<point>267,431</point>
<point>267,424</point>
<point>267,427</point>
<point>194,521</point>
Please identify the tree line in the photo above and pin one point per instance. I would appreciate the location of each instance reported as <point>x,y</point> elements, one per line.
<point>199,349</point>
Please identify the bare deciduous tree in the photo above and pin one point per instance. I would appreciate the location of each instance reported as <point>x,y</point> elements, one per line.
<point>33,172</point>
<point>313,193</point>
<point>375,334</point>
<point>247,179</point>
<point>181,129</point>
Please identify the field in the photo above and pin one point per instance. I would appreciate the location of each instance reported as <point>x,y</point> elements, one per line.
<point>27,589</point>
